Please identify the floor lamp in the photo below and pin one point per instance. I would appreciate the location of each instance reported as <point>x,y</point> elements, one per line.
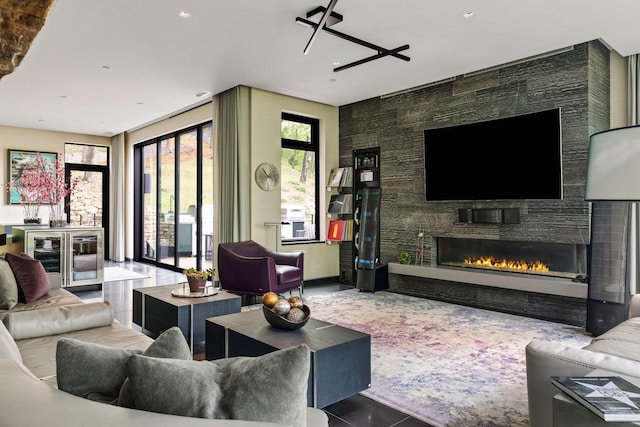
<point>613,185</point>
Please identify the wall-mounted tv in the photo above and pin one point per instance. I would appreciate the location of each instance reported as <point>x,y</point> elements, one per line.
<point>514,158</point>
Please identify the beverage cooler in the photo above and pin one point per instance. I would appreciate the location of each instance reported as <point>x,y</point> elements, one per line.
<point>71,256</point>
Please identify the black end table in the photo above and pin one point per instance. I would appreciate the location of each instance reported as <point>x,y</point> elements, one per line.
<point>340,357</point>
<point>155,310</point>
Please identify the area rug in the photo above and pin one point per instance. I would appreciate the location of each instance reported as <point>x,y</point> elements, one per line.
<point>112,274</point>
<point>442,363</point>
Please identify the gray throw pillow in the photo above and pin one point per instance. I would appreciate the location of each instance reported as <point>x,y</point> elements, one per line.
<point>8,286</point>
<point>268,388</point>
<point>170,344</point>
<point>92,371</point>
<point>275,384</point>
<point>177,387</point>
<point>98,372</point>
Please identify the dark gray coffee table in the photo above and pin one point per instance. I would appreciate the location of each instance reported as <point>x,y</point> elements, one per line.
<point>340,357</point>
<point>155,310</point>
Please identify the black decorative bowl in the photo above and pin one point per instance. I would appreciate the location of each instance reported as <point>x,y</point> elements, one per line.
<point>280,322</point>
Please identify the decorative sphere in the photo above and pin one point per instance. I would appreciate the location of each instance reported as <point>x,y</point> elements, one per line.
<point>269,299</point>
<point>282,307</point>
<point>295,301</point>
<point>296,315</point>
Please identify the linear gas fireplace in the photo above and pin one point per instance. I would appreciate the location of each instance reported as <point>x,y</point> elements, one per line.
<point>533,258</point>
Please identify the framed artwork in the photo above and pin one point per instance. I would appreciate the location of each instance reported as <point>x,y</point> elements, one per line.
<point>17,160</point>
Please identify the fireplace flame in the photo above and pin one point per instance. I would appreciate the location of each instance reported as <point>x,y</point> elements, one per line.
<point>492,262</point>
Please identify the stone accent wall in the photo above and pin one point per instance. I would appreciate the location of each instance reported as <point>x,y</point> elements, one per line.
<point>20,23</point>
<point>577,81</point>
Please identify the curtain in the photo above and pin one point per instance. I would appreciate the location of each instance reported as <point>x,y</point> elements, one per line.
<point>116,200</point>
<point>232,144</point>
<point>633,111</point>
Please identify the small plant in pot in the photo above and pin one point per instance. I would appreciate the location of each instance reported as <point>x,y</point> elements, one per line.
<point>404,258</point>
<point>198,279</point>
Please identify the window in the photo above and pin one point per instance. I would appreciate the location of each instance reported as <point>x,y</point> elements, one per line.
<point>299,208</point>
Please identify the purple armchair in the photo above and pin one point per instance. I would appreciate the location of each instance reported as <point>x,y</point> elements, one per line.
<point>251,269</point>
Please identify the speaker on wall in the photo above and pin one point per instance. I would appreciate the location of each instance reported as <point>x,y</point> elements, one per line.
<point>489,216</point>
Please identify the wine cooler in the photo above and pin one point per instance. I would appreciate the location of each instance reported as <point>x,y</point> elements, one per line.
<point>71,256</point>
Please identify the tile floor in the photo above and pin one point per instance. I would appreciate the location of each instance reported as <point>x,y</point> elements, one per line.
<point>358,411</point>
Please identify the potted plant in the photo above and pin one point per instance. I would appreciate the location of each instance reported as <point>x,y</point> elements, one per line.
<point>43,182</point>
<point>57,190</point>
<point>29,189</point>
<point>404,258</point>
<point>198,279</point>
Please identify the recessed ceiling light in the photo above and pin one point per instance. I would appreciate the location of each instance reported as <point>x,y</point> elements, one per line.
<point>335,63</point>
<point>332,80</point>
<point>184,14</point>
<point>468,15</point>
<point>63,96</point>
<point>202,93</point>
<point>140,103</point>
<point>106,67</point>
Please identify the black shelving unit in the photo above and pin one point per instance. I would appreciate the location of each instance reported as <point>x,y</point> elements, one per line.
<point>368,274</point>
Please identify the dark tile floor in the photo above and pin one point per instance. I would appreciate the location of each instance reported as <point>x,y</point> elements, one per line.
<point>358,411</point>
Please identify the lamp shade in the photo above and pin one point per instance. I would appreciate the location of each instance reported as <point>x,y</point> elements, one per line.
<point>613,170</point>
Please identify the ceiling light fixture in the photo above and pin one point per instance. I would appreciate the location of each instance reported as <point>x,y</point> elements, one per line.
<point>468,15</point>
<point>202,93</point>
<point>106,67</point>
<point>184,14</point>
<point>320,26</point>
<point>330,18</point>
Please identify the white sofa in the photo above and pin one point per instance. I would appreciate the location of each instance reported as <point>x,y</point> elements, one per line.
<point>28,393</point>
<point>617,351</point>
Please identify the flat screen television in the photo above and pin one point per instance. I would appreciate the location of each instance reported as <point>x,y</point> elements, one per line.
<point>515,158</point>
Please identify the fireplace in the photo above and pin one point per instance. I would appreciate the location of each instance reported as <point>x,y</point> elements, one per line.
<point>556,292</point>
<point>563,260</point>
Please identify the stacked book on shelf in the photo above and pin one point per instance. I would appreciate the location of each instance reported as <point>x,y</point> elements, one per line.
<point>340,177</point>
<point>340,230</point>
<point>340,204</point>
<point>610,397</point>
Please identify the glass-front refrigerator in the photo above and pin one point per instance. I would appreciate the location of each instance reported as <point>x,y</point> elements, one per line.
<point>48,248</point>
<point>85,258</point>
<point>71,256</point>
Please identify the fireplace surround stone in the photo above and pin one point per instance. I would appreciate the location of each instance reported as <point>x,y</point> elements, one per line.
<point>577,81</point>
<point>547,298</point>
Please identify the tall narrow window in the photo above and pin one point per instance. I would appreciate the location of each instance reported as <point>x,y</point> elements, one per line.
<point>299,179</point>
<point>88,204</point>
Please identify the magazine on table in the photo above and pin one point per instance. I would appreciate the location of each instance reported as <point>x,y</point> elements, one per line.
<point>610,397</point>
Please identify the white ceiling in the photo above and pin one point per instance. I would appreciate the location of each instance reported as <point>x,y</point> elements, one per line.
<point>158,60</point>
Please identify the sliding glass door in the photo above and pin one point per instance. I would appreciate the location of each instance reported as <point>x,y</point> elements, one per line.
<point>149,212</point>
<point>174,199</point>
